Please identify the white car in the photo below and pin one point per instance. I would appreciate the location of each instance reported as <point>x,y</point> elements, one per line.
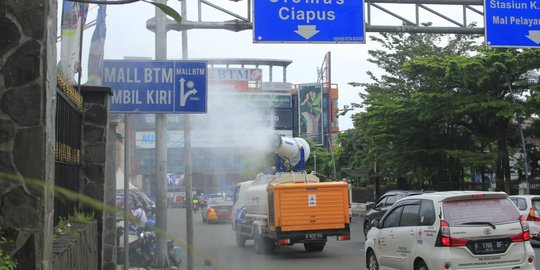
<point>529,206</point>
<point>451,230</point>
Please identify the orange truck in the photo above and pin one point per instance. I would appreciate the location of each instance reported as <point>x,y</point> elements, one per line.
<point>288,208</point>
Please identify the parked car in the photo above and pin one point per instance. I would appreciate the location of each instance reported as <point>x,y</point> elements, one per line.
<point>136,197</point>
<point>529,206</point>
<point>451,230</point>
<point>217,210</point>
<point>377,210</point>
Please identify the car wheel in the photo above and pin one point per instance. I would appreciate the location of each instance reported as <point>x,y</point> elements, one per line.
<point>366,228</point>
<point>421,265</point>
<point>373,264</point>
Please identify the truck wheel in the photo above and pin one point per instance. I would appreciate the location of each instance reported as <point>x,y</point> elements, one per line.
<point>240,240</point>
<point>268,245</point>
<point>314,247</point>
<point>262,245</point>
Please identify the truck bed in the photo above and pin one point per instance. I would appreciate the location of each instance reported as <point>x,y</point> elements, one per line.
<point>309,207</point>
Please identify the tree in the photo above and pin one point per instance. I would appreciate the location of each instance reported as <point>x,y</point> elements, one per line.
<point>320,161</point>
<point>483,90</point>
<point>442,106</point>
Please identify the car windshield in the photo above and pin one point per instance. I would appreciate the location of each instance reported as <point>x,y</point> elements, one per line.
<point>536,204</point>
<point>495,211</point>
<point>219,202</point>
<point>521,203</point>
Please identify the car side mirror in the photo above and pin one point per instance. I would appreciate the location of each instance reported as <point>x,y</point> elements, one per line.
<point>369,206</point>
<point>376,223</point>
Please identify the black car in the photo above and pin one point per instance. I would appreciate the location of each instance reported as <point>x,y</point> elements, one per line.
<point>377,210</point>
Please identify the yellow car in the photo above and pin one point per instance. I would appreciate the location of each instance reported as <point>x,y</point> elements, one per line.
<point>217,210</point>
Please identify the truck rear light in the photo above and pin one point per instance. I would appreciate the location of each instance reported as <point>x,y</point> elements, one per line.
<point>343,238</point>
<point>444,239</point>
<point>284,241</point>
<point>531,259</point>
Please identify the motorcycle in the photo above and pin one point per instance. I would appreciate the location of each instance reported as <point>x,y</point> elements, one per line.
<point>174,253</point>
<point>195,206</point>
<point>143,250</point>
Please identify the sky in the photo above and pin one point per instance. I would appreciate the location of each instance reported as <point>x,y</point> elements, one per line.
<point>127,36</point>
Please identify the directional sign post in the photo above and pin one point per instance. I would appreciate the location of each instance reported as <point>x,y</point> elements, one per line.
<point>156,86</point>
<point>308,21</point>
<point>512,23</point>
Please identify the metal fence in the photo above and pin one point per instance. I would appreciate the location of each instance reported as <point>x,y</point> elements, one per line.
<point>67,148</point>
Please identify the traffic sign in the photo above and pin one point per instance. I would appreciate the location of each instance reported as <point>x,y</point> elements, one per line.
<point>156,86</point>
<point>308,21</point>
<point>512,23</point>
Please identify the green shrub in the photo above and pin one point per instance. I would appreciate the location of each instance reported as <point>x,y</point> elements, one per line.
<point>81,217</point>
<point>6,261</point>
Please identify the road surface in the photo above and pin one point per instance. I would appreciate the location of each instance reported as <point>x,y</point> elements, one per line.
<point>215,245</point>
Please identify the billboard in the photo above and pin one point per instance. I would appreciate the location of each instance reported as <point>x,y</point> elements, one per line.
<point>264,100</point>
<point>310,98</point>
<point>235,74</point>
<point>279,118</point>
<point>174,181</point>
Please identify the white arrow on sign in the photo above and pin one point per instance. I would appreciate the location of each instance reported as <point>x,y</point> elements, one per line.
<point>307,31</point>
<point>534,35</point>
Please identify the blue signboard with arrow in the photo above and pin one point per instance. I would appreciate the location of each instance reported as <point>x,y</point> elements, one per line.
<point>308,21</point>
<point>156,86</point>
<point>512,23</point>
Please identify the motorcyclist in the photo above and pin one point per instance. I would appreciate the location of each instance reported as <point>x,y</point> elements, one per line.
<point>195,203</point>
<point>202,200</point>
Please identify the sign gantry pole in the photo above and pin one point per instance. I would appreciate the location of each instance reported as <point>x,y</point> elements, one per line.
<point>187,157</point>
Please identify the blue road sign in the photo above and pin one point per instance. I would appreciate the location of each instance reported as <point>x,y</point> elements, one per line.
<point>156,86</point>
<point>512,23</point>
<point>308,21</point>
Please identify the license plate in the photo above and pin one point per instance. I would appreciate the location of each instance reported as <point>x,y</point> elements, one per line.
<point>493,246</point>
<point>314,236</point>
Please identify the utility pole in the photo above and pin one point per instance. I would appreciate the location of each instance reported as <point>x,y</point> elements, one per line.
<point>523,146</point>
<point>187,157</point>
<point>161,259</point>
<point>159,26</point>
<point>127,158</point>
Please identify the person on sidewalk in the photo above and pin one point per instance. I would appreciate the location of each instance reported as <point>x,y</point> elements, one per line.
<point>141,218</point>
